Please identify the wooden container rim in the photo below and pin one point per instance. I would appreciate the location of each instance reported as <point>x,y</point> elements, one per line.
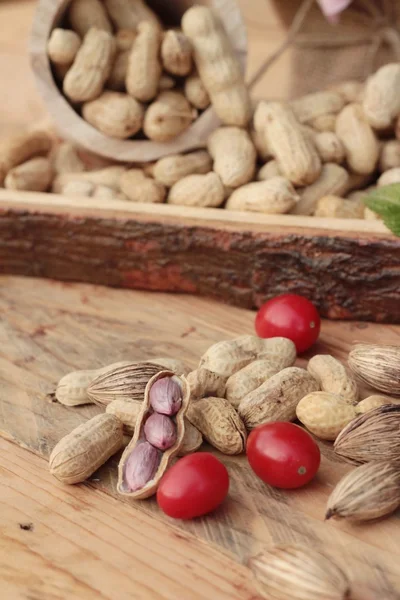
<point>36,202</point>
<point>73,127</point>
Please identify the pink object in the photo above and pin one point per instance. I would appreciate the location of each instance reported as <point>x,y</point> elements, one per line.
<point>166,396</point>
<point>141,466</point>
<point>160,431</point>
<point>333,8</point>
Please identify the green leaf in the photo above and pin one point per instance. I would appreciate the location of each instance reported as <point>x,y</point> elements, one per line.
<point>385,201</point>
<point>393,223</point>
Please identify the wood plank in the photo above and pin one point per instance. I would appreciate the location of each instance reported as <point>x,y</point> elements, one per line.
<point>48,329</point>
<point>82,543</point>
<point>238,258</point>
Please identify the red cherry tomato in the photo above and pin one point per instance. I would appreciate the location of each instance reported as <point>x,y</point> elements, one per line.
<point>283,454</point>
<point>289,316</point>
<point>194,486</point>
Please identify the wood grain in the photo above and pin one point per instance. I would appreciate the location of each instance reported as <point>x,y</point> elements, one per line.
<point>48,329</point>
<point>350,269</point>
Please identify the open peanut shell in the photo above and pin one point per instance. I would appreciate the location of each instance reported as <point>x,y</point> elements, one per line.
<point>167,456</point>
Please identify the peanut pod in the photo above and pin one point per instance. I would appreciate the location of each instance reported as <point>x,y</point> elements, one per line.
<point>333,377</point>
<point>142,465</point>
<point>219,423</point>
<point>277,398</point>
<point>128,411</point>
<point>80,453</point>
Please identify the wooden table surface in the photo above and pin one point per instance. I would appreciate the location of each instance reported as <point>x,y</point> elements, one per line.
<point>59,542</point>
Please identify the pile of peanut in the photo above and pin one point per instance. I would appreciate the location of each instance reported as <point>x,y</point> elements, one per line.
<point>167,411</point>
<point>128,76</point>
<point>316,155</point>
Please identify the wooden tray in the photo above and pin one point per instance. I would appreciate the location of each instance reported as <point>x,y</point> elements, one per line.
<point>84,544</point>
<point>349,268</point>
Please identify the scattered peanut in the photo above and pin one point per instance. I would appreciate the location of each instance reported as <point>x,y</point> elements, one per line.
<point>332,377</point>
<point>80,453</point>
<point>144,68</point>
<point>139,188</point>
<point>195,92</point>
<point>234,155</point>
<point>329,147</point>
<point>296,155</point>
<point>114,114</point>
<point>325,414</point>
<point>381,102</point>
<point>91,68</point>
<point>198,190</point>
<point>334,206</point>
<point>176,53</point>
<point>248,379</point>
<point>333,179</point>
<point>168,116</point>
<point>171,169</point>
<point>219,423</point>
<point>272,196</point>
<point>63,46</point>
<point>277,398</point>
<point>34,175</point>
<point>218,66</point>
<point>227,357</point>
<point>358,139</point>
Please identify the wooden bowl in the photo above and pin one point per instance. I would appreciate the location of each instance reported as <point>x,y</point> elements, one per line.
<point>71,126</point>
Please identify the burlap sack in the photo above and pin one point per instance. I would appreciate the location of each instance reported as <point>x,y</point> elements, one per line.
<point>367,36</point>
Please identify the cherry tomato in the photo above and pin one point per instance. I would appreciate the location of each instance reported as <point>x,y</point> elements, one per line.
<point>194,486</point>
<point>283,454</point>
<point>289,316</point>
